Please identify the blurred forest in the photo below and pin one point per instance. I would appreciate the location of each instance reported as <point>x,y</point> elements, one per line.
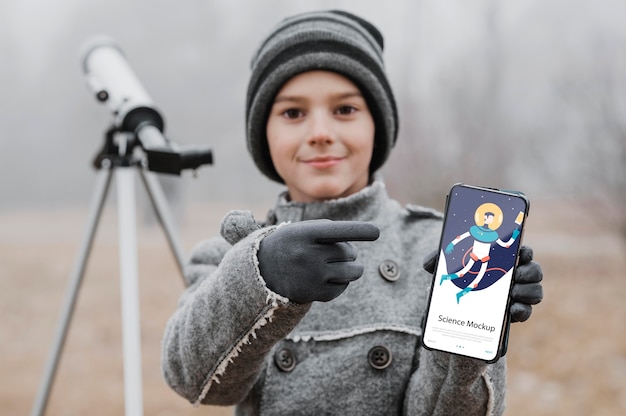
<point>525,94</point>
<point>528,95</point>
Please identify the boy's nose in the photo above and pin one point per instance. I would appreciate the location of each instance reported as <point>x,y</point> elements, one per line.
<point>321,130</point>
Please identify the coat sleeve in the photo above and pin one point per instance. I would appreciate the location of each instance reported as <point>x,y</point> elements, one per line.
<point>216,343</point>
<point>446,384</point>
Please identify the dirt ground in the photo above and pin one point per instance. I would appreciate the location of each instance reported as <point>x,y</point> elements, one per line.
<point>569,359</point>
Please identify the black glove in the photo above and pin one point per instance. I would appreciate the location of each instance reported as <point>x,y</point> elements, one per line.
<point>313,260</point>
<point>527,289</point>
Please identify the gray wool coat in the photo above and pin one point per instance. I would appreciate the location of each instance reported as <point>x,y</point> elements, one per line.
<point>233,341</point>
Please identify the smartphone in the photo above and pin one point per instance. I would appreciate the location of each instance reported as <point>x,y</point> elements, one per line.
<point>468,306</point>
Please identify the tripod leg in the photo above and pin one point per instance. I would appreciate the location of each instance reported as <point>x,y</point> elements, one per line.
<point>131,331</point>
<point>159,203</point>
<point>102,186</point>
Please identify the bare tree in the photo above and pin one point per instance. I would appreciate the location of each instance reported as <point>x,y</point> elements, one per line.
<point>455,134</point>
<point>596,94</point>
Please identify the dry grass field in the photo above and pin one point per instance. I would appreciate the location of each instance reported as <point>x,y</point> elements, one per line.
<point>569,359</point>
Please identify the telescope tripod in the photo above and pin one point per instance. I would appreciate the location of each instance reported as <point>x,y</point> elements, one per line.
<point>120,165</point>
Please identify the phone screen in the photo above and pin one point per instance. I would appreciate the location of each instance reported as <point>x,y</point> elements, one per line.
<point>478,252</point>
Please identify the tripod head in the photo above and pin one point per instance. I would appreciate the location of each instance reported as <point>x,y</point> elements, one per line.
<point>114,83</point>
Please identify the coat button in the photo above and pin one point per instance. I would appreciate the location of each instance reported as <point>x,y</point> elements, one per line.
<point>285,360</point>
<point>389,270</point>
<point>379,357</point>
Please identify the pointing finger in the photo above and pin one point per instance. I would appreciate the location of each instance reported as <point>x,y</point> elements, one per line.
<point>328,232</point>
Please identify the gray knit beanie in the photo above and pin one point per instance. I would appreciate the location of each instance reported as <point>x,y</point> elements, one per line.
<point>326,40</point>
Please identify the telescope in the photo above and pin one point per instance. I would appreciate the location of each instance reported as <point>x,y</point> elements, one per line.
<point>114,83</point>
<point>137,123</point>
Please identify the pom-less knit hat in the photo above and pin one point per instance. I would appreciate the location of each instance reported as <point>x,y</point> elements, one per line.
<point>328,40</point>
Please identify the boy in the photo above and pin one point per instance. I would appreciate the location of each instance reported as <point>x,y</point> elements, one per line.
<point>280,317</point>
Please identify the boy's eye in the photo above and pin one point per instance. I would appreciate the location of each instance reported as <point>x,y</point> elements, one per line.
<point>345,110</point>
<point>292,113</point>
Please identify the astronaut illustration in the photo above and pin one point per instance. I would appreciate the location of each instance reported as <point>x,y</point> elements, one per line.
<point>484,236</point>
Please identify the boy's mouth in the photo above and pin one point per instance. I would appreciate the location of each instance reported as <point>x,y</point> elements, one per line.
<point>323,162</point>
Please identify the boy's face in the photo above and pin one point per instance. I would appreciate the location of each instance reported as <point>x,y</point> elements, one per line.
<point>321,136</point>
